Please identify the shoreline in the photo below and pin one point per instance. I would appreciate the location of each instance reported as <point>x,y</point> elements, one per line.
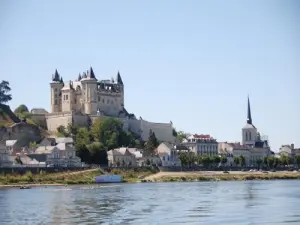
<point>195,176</point>
<point>220,176</point>
<point>28,185</point>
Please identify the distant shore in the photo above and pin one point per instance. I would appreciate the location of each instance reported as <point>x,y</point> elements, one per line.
<point>131,176</point>
<point>220,176</point>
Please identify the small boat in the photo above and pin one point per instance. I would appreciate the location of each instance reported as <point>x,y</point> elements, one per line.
<point>25,187</point>
<point>108,179</point>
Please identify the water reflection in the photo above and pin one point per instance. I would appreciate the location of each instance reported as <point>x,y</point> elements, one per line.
<point>251,202</point>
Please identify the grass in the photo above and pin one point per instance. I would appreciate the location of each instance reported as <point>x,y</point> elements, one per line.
<point>84,177</point>
<point>229,177</point>
<point>49,178</point>
<point>134,175</point>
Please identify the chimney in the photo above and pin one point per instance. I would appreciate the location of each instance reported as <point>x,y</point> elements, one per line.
<point>292,146</point>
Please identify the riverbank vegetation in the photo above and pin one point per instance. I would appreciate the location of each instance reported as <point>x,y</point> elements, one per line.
<point>79,177</point>
<point>190,159</point>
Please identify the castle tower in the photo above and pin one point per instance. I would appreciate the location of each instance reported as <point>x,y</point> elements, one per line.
<point>249,131</point>
<point>121,87</point>
<point>89,87</point>
<point>56,85</point>
<point>67,97</point>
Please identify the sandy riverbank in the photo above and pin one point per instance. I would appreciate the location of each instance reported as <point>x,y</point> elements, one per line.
<point>219,175</point>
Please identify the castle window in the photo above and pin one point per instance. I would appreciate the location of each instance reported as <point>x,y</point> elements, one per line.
<point>103,100</point>
<point>246,138</point>
<point>107,101</point>
<point>55,102</point>
<point>250,136</point>
<point>66,97</point>
<point>55,89</point>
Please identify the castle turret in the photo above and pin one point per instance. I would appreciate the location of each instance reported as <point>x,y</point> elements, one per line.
<point>89,87</point>
<point>56,85</point>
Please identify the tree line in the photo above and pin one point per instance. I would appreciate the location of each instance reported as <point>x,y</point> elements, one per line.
<point>271,162</point>
<point>93,142</point>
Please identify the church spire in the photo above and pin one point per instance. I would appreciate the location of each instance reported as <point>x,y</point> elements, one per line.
<point>249,118</point>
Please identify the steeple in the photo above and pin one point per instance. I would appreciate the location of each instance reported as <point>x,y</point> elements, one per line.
<point>249,118</point>
<point>119,79</point>
<point>79,77</point>
<point>61,80</point>
<point>91,73</point>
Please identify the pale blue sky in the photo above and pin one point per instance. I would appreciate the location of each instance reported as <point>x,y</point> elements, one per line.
<point>192,62</point>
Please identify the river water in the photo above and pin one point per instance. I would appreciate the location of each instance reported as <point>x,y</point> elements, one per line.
<point>224,202</point>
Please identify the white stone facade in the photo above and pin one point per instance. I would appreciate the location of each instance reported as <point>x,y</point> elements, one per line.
<point>202,144</point>
<point>87,95</point>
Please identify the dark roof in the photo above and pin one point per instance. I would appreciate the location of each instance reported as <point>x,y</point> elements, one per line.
<point>56,77</point>
<point>119,79</point>
<point>91,73</point>
<point>249,118</point>
<point>38,157</point>
<point>182,147</point>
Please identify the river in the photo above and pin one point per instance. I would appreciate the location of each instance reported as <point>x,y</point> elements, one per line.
<point>225,202</point>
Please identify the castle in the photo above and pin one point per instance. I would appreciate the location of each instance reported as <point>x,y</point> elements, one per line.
<point>86,99</point>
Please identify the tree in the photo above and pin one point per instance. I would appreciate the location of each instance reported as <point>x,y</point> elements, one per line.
<point>297,160</point>
<point>151,144</point>
<point>236,160</point>
<point>259,162</point>
<point>242,160</point>
<point>199,160</point>
<point>72,130</point>
<point>4,92</point>
<point>206,161</point>
<point>223,160</point>
<point>216,159</point>
<point>191,158</point>
<point>181,135</point>
<point>110,133</point>
<point>83,153</point>
<point>276,162</point>
<point>183,159</point>
<point>21,109</point>
<point>61,131</point>
<point>98,153</point>
<point>270,162</point>
<point>83,136</point>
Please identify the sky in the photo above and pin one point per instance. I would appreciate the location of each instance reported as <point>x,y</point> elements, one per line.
<point>191,62</point>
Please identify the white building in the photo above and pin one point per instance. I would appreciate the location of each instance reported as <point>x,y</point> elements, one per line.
<point>289,150</point>
<point>168,154</point>
<point>61,154</point>
<point>124,157</point>
<point>202,144</point>
<point>5,155</point>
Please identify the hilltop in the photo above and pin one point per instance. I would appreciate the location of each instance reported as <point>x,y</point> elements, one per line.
<point>7,117</point>
<point>23,129</point>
